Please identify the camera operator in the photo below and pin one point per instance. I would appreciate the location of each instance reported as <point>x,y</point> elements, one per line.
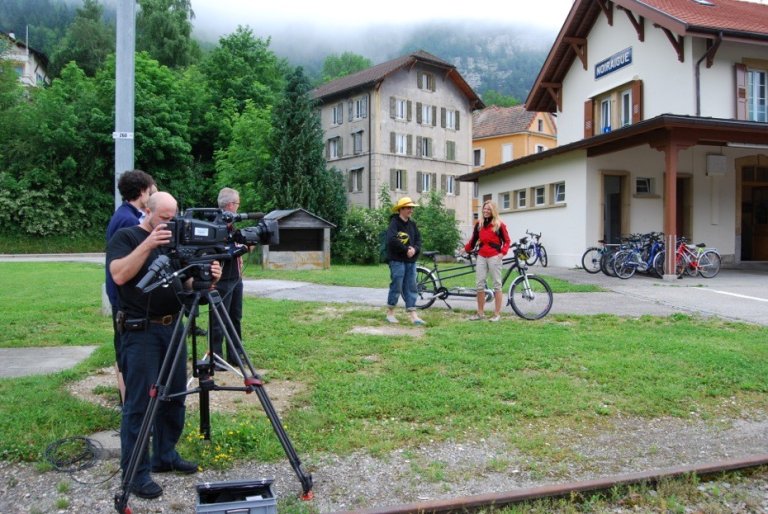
<point>230,286</point>
<point>135,186</point>
<point>147,323</point>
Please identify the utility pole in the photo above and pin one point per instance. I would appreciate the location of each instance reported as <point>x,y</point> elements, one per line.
<point>124,89</point>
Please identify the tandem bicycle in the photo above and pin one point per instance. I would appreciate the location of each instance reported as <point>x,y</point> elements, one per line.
<point>529,295</point>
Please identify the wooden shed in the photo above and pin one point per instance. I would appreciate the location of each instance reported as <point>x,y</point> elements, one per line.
<point>305,241</point>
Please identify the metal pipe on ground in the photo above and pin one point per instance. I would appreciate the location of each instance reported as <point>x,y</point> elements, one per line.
<point>468,503</point>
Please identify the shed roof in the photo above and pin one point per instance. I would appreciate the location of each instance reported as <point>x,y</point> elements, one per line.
<point>300,218</point>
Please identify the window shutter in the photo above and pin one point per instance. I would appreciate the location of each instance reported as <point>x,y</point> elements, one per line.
<point>457,120</point>
<point>365,107</point>
<point>351,106</point>
<point>433,84</point>
<point>392,107</point>
<point>419,143</point>
<point>443,180</point>
<point>341,147</point>
<point>637,101</point>
<point>419,181</point>
<point>419,79</point>
<point>392,178</point>
<point>434,181</point>
<point>430,148</point>
<point>392,142</point>
<point>341,113</point>
<point>442,117</point>
<point>434,116</point>
<point>456,187</point>
<point>327,149</point>
<point>409,148</point>
<point>589,128</point>
<point>741,91</point>
<point>409,110</point>
<point>418,112</point>
<point>350,180</point>
<point>404,179</point>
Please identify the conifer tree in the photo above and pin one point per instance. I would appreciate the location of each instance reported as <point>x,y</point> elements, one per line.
<point>297,175</point>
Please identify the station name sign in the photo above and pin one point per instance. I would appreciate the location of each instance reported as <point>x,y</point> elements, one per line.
<point>613,63</point>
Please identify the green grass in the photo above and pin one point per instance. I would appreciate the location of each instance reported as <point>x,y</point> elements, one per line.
<point>78,243</point>
<point>459,381</point>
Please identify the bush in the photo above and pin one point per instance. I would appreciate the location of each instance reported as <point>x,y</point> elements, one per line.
<point>358,243</point>
<point>438,226</point>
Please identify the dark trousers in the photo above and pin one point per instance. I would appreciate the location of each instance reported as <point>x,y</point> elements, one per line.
<point>231,292</point>
<point>142,357</point>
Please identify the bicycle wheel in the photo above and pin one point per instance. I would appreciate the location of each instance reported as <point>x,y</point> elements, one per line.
<point>590,259</point>
<point>530,297</point>
<point>624,265</point>
<point>606,264</point>
<point>543,256</point>
<point>531,256</point>
<point>426,288</point>
<point>709,264</point>
<point>658,263</point>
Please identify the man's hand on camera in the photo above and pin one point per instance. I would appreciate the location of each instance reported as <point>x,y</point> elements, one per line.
<point>159,236</point>
<point>215,271</point>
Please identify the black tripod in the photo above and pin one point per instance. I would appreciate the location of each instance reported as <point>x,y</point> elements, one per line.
<point>204,371</point>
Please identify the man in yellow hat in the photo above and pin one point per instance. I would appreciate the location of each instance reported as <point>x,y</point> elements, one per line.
<point>403,247</point>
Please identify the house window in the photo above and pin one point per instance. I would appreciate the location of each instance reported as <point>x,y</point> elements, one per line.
<point>504,201</point>
<point>425,81</point>
<point>401,109</point>
<point>643,186</point>
<point>626,108</point>
<point>355,184</point>
<point>605,115</point>
<point>338,114</point>
<point>425,182</point>
<point>560,192</point>
<point>357,142</point>
<point>478,157</point>
<point>450,185</point>
<point>426,114</point>
<point>334,148</point>
<point>450,150</point>
<point>757,93</point>
<point>521,199</point>
<point>450,119</point>
<point>400,180</point>
<point>424,146</point>
<point>540,195</point>
<point>401,144</point>
<point>540,125</point>
<point>541,148</point>
<point>506,153</point>
<point>360,108</point>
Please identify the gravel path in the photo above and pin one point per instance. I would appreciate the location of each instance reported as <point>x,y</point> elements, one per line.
<point>439,471</point>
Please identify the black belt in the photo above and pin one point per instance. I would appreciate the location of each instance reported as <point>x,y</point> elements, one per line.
<point>137,324</point>
<point>168,319</point>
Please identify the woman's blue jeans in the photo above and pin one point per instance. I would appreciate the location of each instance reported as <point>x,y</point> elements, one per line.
<point>402,283</point>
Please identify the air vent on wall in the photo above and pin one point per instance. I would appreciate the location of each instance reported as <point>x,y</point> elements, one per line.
<point>716,165</point>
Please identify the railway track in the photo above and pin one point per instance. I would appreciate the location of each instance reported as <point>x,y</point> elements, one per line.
<point>484,501</point>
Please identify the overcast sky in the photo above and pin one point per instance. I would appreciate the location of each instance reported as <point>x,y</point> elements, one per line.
<point>223,16</point>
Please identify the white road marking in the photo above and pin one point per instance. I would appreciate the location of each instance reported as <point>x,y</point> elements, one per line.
<point>734,294</point>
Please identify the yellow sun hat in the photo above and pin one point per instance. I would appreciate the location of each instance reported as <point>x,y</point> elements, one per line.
<point>403,202</point>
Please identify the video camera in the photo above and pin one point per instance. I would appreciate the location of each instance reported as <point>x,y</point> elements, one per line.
<point>203,232</point>
<point>203,235</point>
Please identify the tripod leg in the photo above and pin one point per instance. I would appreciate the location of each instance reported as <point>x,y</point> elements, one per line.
<point>253,382</point>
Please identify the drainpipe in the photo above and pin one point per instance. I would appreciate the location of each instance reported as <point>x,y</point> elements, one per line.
<point>710,52</point>
<point>370,155</point>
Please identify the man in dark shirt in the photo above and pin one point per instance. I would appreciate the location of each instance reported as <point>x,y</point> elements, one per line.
<point>135,187</point>
<point>230,286</point>
<point>146,338</point>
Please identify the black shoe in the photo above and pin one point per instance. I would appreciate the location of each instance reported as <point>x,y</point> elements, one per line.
<point>180,466</point>
<point>148,490</point>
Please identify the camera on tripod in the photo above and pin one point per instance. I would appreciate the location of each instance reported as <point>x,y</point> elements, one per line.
<point>204,231</point>
<point>203,235</point>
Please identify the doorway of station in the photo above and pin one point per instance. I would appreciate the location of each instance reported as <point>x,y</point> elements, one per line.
<point>754,213</point>
<point>614,192</point>
<point>684,207</point>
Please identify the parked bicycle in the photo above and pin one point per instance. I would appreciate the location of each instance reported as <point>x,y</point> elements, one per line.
<point>692,260</point>
<point>530,297</point>
<point>593,257</point>
<point>640,256</point>
<point>534,250</point>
